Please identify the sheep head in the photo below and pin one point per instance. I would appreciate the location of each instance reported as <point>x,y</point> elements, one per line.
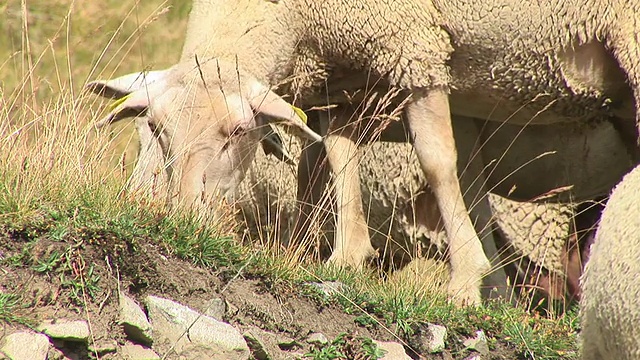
<point>208,119</point>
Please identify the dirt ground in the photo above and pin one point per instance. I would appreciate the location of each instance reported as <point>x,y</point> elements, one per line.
<point>144,267</point>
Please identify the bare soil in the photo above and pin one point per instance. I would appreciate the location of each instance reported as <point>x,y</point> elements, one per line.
<point>143,267</point>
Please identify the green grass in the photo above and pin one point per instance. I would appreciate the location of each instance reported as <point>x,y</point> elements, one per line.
<point>93,216</point>
<point>346,347</point>
<point>533,336</point>
<point>105,215</point>
<point>61,182</point>
<point>8,305</point>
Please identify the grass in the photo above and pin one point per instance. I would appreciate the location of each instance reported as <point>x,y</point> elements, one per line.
<point>8,305</point>
<point>346,347</point>
<point>61,188</point>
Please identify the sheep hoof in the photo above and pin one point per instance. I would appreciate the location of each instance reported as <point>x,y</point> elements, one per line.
<point>464,292</point>
<point>352,258</point>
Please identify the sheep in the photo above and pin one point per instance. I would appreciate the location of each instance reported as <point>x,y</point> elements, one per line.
<point>608,308</point>
<point>537,231</point>
<point>542,63</point>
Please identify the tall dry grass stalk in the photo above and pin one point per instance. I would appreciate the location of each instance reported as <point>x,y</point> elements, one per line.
<point>54,154</point>
<point>49,148</point>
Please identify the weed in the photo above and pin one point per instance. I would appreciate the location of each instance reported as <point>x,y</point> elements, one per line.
<point>371,349</point>
<point>49,264</point>
<point>366,320</point>
<point>81,284</point>
<point>328,352</point>
<point>8,304</point>
<point>345,347</point>
<point>205,245</point>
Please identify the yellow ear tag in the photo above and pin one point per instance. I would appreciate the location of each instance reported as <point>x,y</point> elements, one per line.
<point>119,102</point>
<point>300,113</point>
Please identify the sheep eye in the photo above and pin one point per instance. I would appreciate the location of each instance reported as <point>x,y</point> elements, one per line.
<point>237,131</point>
<point>153,127</point>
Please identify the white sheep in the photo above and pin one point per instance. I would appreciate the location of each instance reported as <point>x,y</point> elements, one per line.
<point>391,190</point>
<point>522,63</point>
<point>609,309</point>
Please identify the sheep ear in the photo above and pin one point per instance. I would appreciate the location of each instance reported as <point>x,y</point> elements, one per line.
<point>132,93</point>
<point>268,103</point>
<point>124,85</point>
<point>131,105</point>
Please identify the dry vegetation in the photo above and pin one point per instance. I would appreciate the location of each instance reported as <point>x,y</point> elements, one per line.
<point>58,45</point>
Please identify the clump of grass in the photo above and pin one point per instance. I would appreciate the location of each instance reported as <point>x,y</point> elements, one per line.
<point>345,347</point>
<point>8,303</point>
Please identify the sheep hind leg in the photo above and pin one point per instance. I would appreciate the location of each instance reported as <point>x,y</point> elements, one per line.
<point>473,183</point>
<point>431,132</point>
<point>352,245</point>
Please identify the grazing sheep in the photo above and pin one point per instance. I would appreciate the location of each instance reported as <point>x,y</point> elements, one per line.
<point>519,63</point>
<point>609,309</point>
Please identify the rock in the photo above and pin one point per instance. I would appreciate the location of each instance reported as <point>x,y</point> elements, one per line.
<point>438,335</point>
<point>257,345</point>
<point>435,337</point>
<point>185,330</point>
<point>77,330</point>
<point>473,357</point>
<point>479,343</point>
<point>137,352</point>
<point>328,288</point>
<point>56,354</point>
<point>134,321</point>
<point>25,345</point>
<point>393,350</point>
<point>217,309</point>
<point>317,339</point>
<point>277,346</point>
<point>103,347</point>
<point>428,338</point>
<point>232,310</point>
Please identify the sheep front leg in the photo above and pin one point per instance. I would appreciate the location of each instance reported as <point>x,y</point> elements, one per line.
<point>431,133</point>
<point>352,245</point>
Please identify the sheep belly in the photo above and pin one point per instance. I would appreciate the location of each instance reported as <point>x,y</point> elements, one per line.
<point>533,63</point>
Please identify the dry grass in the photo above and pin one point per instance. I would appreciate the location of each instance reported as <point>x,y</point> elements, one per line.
<point>51,149</point>
<point>54,47</point>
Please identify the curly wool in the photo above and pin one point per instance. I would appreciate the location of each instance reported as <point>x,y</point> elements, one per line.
<point>527,57</point>
<point>536,230</point>
<point>609,310</point>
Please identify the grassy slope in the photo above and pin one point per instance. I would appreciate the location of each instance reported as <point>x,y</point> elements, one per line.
<point>61,179</point>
